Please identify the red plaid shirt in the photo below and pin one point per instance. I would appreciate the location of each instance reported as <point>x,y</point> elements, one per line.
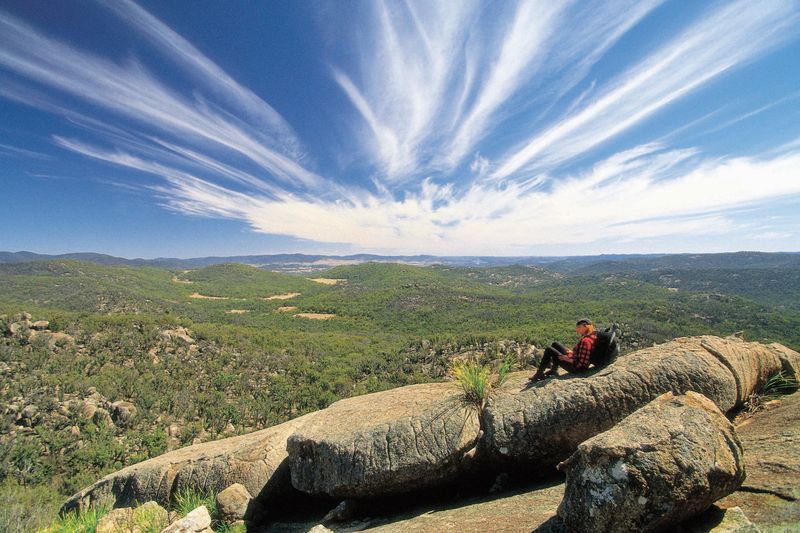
<point>583,351</point>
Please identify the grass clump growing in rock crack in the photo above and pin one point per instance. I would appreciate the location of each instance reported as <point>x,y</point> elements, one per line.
<point>777,385</point>
<point>478,379</point>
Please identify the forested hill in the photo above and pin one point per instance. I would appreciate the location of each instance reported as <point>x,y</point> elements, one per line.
<point>571,264</point>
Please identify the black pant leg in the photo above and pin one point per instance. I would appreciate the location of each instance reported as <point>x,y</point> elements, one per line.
<point>549,358</point>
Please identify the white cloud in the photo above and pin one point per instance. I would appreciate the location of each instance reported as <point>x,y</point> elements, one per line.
<point>643,193</point>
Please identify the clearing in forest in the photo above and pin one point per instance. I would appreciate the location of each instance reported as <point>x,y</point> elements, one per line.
<point>286,296</point>
<point>204,297</point>
<point>327,281</point>
<point>315,316</point>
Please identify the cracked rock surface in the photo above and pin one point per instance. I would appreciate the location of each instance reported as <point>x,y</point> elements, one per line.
<point>255,460</point>
<point>533,427</point>
<point>386,442</point>
<point>666,462</point>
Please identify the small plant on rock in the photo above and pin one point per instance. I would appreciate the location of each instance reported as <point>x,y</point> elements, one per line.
<point>478,380</point>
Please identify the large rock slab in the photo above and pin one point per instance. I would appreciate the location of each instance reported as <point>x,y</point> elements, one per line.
<point>751,363</point>
<point>770,496</point>
<point>256,460</point>
<point>668,461</point>
<point>531,427</point>
<point>386,442</point>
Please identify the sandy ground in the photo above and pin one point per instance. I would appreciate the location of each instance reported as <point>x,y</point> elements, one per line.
<point>237,311</point>
<point>286,308</point>
<point>184,281</point>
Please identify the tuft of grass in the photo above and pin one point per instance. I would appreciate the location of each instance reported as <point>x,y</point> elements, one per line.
<point>478,380</point>
<point>187,500</point>
<point>77,522</point>
<point>475,380</point>
<point>779,384</point>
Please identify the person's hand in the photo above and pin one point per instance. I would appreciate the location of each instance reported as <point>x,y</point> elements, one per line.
<point>566,358</point>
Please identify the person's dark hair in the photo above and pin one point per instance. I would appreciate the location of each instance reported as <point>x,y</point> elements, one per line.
<point>583,322</point>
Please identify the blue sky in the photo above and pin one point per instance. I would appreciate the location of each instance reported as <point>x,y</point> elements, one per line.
<point>454,128</point>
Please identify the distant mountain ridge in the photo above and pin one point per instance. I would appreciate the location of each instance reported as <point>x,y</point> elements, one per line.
<point>566,264</point>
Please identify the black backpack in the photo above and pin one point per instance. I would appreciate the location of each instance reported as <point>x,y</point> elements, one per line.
<point>606,346</point>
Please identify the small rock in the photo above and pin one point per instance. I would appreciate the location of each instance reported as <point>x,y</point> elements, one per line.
<point>75,430</point>
<point>194,522</point>
<point>116,520</point>
<point>151,514</point>
<point>101,417</point>
<point>341,513</point>
<point>41,325</point>
<point>232,503</point>
<point>14,328</point>
<point>123,412</point>
<point>25,316</point>
<point>30,411</point>
<point>88,408</point>
<point>319,528</point>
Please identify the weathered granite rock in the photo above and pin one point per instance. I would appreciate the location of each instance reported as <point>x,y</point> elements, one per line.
<point>256,460</point>
<point>534,426</point>
<point>770,495</point>
<point>197,521</point>
<point>751,363</point>
<point>664,463</point>
<point>232,503</point>
<point>122,413</point>
<point>147,517</point>
<point>387,442</point>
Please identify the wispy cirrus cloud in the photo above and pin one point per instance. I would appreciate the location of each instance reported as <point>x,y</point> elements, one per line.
<point>131,91</point>
<point>442,75</point>
<point>719,42</point>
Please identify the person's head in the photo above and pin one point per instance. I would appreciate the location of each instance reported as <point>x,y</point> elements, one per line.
<point>584,327</point>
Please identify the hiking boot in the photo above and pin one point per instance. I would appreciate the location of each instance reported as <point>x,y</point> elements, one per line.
<point>538,376</point>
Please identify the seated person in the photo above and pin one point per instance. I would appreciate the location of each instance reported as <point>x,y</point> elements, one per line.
<point>575,360</point>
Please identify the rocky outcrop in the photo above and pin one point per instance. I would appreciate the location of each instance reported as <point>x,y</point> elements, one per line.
<point>535,426</point>
<point>256,460</point>
<point>387,442</point>
<point>666,462</point>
